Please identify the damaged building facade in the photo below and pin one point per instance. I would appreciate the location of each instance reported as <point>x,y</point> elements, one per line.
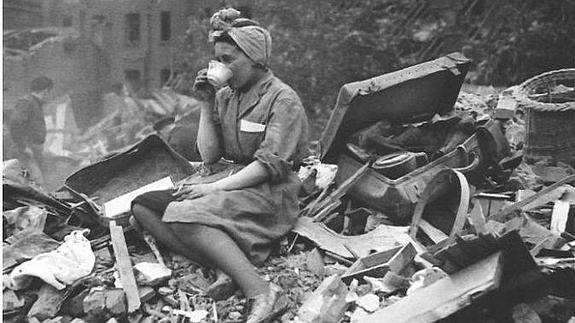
<point>139,37</point>
<point>139,43</point>
<point>87,47</point>
<point>20,14</point>
<point>136,41</point>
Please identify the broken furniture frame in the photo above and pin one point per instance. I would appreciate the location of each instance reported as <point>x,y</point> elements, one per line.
<point>446,296</point>
<point>379,263</point>
<point>445,182</point>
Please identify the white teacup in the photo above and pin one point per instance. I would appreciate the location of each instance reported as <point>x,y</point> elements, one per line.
<point>218,73</point>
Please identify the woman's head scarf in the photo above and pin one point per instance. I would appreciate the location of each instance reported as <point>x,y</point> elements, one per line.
<point>252,39</point>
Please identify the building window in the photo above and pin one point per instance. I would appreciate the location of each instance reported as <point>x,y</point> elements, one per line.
<point>132,75</point>
<point>133,28</point>
<point>133,79</point>
<point>165,76</point>
<point>165,26</point>
<point>82,21</point>
<point>67,21</point>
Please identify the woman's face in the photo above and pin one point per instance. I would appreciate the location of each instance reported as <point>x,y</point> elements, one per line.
<point>243,69</point>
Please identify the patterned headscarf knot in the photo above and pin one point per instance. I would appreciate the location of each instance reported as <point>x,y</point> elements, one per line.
<point>252,39</point>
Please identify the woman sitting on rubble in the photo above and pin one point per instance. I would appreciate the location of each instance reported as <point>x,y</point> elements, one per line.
<point>256,121</point>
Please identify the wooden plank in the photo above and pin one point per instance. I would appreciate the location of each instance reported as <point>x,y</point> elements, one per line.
<point>378,264</point>
<point>463,252</point>
<point>342,189</point>
<point>184,303</point>
<point>321,215</point>
<point>124,266</point>
<point>432,232</point>
<point>509,211</point>
<point>445,296</point>
<point>314,202</point>
<point>533,233</point>
<point>559,216</point>
<point>151,242</point>
<point>478,218</point>
<point>104,240</point>
<point>443,182</point>
<point>339,258</point>
<point>381,238</point>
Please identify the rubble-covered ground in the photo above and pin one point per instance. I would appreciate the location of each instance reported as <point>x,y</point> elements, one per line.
<point>540,288</point>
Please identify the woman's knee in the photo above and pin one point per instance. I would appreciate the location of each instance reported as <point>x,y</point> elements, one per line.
<point>143,214</point>
<point>138,210</point>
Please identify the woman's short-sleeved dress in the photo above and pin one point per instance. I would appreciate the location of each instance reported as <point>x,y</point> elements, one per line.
<point>267,123</point>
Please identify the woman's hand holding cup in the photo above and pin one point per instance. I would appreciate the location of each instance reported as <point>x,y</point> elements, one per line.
<point>209,80</point>
<point>202,89</point>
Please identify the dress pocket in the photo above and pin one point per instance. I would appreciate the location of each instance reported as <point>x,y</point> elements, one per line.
<point>249,126</point>
<point>250,136</point>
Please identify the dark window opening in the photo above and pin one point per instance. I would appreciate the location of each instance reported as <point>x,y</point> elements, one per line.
<point>133,28</point>
<point>165,26</point>
<point>132,75</point>
<point>82,21</point>
<point>165,76</point>
<point>67,21</point>
<point>133,79</point>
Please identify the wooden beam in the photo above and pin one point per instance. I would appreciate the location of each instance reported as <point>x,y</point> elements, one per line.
<point>559,216</point>
<point>506,213</point>
<point>478,218</point>
<point>445,296</point>
<point>432,232</point>
<point>381,238</point>
<point>321,215</point>
<point>124,267</point>
<point>378,264</point>
<point>342,189</point>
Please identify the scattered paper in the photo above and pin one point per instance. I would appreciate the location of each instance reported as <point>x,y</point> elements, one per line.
<point>121,204</point>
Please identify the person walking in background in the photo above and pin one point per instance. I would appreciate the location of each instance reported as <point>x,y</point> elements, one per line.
<point>28,127</point>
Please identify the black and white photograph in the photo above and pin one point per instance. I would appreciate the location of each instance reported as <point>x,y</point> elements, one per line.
<point>288,161</point>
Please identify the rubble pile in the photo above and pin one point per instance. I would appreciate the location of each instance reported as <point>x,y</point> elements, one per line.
<point>131,119</point>
<point>413,216</point>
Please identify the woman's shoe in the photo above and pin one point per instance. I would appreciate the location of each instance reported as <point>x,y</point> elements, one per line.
<point>265,307</point>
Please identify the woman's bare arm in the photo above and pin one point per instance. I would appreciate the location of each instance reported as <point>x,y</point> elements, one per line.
<point>251,175</point>
<point>209,144</point>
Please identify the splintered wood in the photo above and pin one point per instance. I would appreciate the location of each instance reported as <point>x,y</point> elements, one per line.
<point>320,208</point>
<point>445,296</point>
<point>124,267</point>
<point>381,238</point>
<point>509,212</point>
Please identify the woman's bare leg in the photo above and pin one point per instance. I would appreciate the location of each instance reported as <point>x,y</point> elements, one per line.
<point>152,222</point>
<point>218,248</point>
